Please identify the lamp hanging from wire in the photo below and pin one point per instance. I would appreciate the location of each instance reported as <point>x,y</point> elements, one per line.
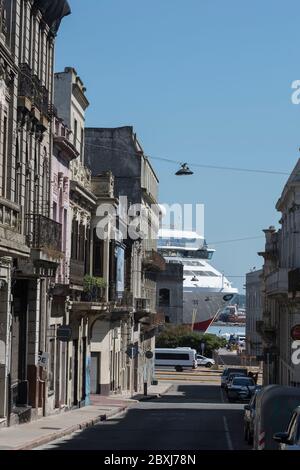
<point>184,170</point>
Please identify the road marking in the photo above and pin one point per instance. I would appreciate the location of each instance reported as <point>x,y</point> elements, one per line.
<point>227,432</point>
<point>187,379</point>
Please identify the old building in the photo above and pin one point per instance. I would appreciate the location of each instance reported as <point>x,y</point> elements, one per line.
<point>31,246</point>
<point>111,331</point>
<point>136,187</point>
<point>71,104</point>
<point>281,309</point>
<point>170,293</point>
<point>64,152</point>
<point>254,309</point>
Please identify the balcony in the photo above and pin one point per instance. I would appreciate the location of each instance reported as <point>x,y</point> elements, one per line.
<point>66,148</point>
<point>267,332</point>
<point>153,261</point>
<point>76,272</point>
<point>154,321</point>
<point>44,237</point>
<point>109,311</point>
<point>33,96</point>
<point>277,283</point>
<point>124,299</point>
<point>142,305</point>
<point>142,308</point>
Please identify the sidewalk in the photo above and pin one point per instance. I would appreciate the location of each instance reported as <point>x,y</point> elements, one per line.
<point>44,430</point>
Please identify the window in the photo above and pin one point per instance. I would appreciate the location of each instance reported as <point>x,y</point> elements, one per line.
<point>75,132</point>
<point>82,145</point>
<point>54,211</point>
<point>4,156</point>
<point>51,366</point>
<point>74,243</point>
<point>194,263</point>
<point>164,298</point>
<point>98,256</point>
<point>172,357</point>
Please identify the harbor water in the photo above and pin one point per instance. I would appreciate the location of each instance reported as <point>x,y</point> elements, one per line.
<point>227,330</point>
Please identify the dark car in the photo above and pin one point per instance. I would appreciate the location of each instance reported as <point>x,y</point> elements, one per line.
<point>228,370</point>
<point>240,388</point>
<point>230,378</point>
<point>249,417</point>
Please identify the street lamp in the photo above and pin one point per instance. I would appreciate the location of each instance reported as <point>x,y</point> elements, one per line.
<point>184,170</point>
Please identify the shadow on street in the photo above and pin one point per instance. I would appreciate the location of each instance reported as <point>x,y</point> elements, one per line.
<point>183,419</point>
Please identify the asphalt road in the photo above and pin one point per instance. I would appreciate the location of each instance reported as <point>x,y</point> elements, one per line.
<point>190,416</point>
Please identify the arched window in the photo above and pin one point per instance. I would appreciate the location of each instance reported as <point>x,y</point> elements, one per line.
<point>164,298</point>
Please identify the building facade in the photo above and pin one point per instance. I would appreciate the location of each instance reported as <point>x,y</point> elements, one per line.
<point>71,104</point>
<point>31,247</point>
<point>281,309</point>
<point>136,187</point>
<point>170,293</point>
<point>254,309</point>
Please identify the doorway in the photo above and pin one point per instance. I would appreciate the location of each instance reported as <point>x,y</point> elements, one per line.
<point>95,373</point>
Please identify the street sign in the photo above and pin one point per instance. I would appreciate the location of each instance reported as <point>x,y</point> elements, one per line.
<point>43,359</point>
<point>295,333</point>
<point>132,351</point>
<point>64,333</point>
<point>149,354</point>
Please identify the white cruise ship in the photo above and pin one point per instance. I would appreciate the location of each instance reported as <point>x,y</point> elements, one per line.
<point>205,290</point>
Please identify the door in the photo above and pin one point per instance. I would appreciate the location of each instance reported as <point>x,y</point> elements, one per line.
<point>95,373</point>
<point>19,343</point>
<point>75,372</point>
<point>83,381</point>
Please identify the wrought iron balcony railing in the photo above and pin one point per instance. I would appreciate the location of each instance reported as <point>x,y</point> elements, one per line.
<point>25,82</point>
<point>76,272</point>
<point>44,233</point>
<point>31,87</point>
<point>142,305</point>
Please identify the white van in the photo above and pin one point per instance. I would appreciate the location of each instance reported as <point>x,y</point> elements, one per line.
<point>179,358</point>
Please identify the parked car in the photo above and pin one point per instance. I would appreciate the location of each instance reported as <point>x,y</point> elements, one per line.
<point>274,406</point>
<point>204,361</point>
<point>249,417</point>
<point>290,440</point>
<point>228,370</point>
<point>230,378</point>
<point>241,388</point>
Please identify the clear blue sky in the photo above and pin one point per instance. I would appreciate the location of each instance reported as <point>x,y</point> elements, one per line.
<point>204,81</point>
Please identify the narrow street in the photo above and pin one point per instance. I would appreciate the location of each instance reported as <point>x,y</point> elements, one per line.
<point>192,415</point>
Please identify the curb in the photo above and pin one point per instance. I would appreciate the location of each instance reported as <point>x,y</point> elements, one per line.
<point>149,397</point>
<point>67,431</point>
<point>156,395</point>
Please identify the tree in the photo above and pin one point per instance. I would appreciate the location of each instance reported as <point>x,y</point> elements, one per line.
<point>174,336</point>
